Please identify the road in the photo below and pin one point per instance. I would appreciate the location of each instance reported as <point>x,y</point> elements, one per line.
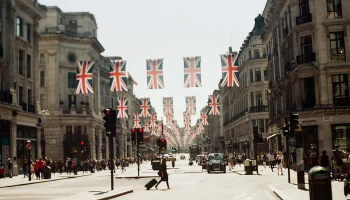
<point>186,182</point>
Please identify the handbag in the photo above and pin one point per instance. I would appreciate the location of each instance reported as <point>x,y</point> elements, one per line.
<point>159,173</point>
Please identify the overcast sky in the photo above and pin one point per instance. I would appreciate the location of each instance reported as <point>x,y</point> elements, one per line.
<point>138,30</point>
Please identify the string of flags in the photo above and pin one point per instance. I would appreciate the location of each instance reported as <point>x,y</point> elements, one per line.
<point>155,80</point>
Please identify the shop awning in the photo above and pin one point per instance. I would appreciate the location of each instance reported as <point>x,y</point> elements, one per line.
<point>273,135</point>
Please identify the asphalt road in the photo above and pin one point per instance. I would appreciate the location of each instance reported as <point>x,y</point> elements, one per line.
<point>186,182</point>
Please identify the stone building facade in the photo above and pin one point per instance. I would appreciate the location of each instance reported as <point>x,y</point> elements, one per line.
<point>19,96</point>
<point>246,106</point>
<point>66,38</point>
<point>308,63</point>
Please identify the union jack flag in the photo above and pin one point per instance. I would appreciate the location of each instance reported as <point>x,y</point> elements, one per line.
<point>159,126</point>
<point>136,121</point>
<point>187,121</point>
<point>192,70</point>
<point>118,76</point>
<point>204,118</point>
<point>153,121</point>
<point>155,78</point>
<point>147,126</point>
<point>168,105</point>
<point>84,77</point>
<point>169,118</point>
<point>191,105</point>
<point>122,107</point>
<point>145,107</point>
<point>214,106</point>
<point>229,70</point>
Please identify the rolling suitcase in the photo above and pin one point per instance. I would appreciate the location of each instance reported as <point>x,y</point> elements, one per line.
<point>150,184</point>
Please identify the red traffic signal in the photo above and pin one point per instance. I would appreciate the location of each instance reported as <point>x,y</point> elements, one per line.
<point>132,130</point>
<point>163,140</point>
<point>82,143</point>
<point>107,111</point>
<point>140,130</point>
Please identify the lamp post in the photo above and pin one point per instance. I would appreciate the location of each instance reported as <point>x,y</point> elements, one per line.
<point>29,147</point>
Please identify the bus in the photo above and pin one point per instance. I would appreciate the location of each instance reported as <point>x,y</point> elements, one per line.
<point>194,151</point>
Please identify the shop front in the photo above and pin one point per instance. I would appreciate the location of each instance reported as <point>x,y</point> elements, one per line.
<point>25,133</point>
<point>307,139</point>
<point>4,140</point>
<point>341,136</point>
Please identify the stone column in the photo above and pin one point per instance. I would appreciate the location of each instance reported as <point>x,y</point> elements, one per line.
<point>324,138</point>
<point>323,87</point>
<point>99,143</point>
<point>114,147</point>
<point>13,147</point>
<point>107,148</point>
<point>38,142</point>
<point>92,143</point>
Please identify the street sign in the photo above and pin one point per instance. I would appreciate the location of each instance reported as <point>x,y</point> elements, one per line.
<point>29,146</point>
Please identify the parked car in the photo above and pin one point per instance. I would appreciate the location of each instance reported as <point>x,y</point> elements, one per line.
<point>216,162</point>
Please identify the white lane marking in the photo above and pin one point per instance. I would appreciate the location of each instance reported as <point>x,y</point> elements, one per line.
<point>269,195</point>
<point>240,196</point>
<point>279,192</point>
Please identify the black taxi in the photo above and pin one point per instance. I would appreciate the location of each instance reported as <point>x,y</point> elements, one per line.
<point>216,162</point>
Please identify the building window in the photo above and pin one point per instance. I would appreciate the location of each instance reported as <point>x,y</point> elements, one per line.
<point>340,90</point>
<point>19,26</point>
<point>20,62</point>
<point>261,125</point>
<point>309,93</point>
<point>29,33</point>
<point>337,46</point>
<point>42,58</point>
<point>341,136</point>
<point>29,61</point>
<point>251,75</point>
<point>72,81</point>
<point>42,101</point>
<point>256,53</point>
<point>264,53</point>
<point>259,100</point>
<point>71,101</point>
<point>306,45</point>
<point>265,74</point>
<point>20,94</point>
<point>250,55</point>
<point>42,78</point>
<point>252,99</point>
<point>334,9</point>
<point>29,97</point>
<point>304,7</point>
<point>257,74</point>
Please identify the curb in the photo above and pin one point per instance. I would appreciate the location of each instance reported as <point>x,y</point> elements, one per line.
<point>135,177</point>
<point>117,195</point>
<point>45,180</point>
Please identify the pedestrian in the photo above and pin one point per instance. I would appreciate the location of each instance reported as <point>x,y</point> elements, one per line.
<point>25,168</point>
<point>279,162</point>
<point>123,165</point>
<point>9,167</point>
<point>271,160</point>
<point>163,173</point>
<point>264,158</point>
<point>324,160</point>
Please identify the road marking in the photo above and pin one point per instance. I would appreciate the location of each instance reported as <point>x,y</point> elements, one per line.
<point>269,195</point>
<point>279,192</point>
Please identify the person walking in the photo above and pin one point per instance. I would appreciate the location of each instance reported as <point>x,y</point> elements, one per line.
<point>279,162</point>
<point>9,167</point>
<point>164,174</point>
<point>123,163</point>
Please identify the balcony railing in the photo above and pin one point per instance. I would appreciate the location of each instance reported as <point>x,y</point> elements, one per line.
<point>304,19</point>
<point>341,101</point>
<point>259,109</point>
<point>239,115</point>
<point>5,97</point>
<point>24,106</point>
<point>31,108</point>
<point>310,57</point>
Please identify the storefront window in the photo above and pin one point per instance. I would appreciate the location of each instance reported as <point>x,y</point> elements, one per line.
<point>4,140</point>
<point>25,133</point>
<point>341,135</point>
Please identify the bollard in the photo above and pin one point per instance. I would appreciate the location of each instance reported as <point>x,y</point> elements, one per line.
<point>249,170</point>
<point>319,180</point>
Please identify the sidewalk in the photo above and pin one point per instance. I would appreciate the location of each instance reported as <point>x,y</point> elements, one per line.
<point>290,191</point>
<point>20,181</point>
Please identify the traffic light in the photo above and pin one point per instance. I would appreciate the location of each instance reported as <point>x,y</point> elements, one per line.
<point>285,129</point>
<point>163,143</point>
<point>110,122</point>
<point>140,135</point>
<point>173,150</point>
<point>294,122</point>
<point>82,143</point>
<point>138,153</point>
<point>229,143</point>
<point>260,138</point>
<point>255,133</point>
<point>133,136</point>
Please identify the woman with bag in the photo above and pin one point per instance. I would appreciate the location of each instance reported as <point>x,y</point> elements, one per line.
<point>163,173</point>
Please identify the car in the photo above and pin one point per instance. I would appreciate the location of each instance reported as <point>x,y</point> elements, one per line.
<point>216,162</point>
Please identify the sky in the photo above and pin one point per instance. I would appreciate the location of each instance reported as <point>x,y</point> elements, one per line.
<point>138,30</point>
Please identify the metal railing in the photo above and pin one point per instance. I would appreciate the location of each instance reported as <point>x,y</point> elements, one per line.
<point>5,97</point>
<point>310,57</point>
<point>259,109</point>
<point>303,19</point>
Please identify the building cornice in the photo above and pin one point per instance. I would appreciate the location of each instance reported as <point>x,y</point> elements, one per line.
<point>73,40</point>
<point>31,6</point>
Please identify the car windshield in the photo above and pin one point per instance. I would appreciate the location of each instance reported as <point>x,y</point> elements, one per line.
<point>218,157</point>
